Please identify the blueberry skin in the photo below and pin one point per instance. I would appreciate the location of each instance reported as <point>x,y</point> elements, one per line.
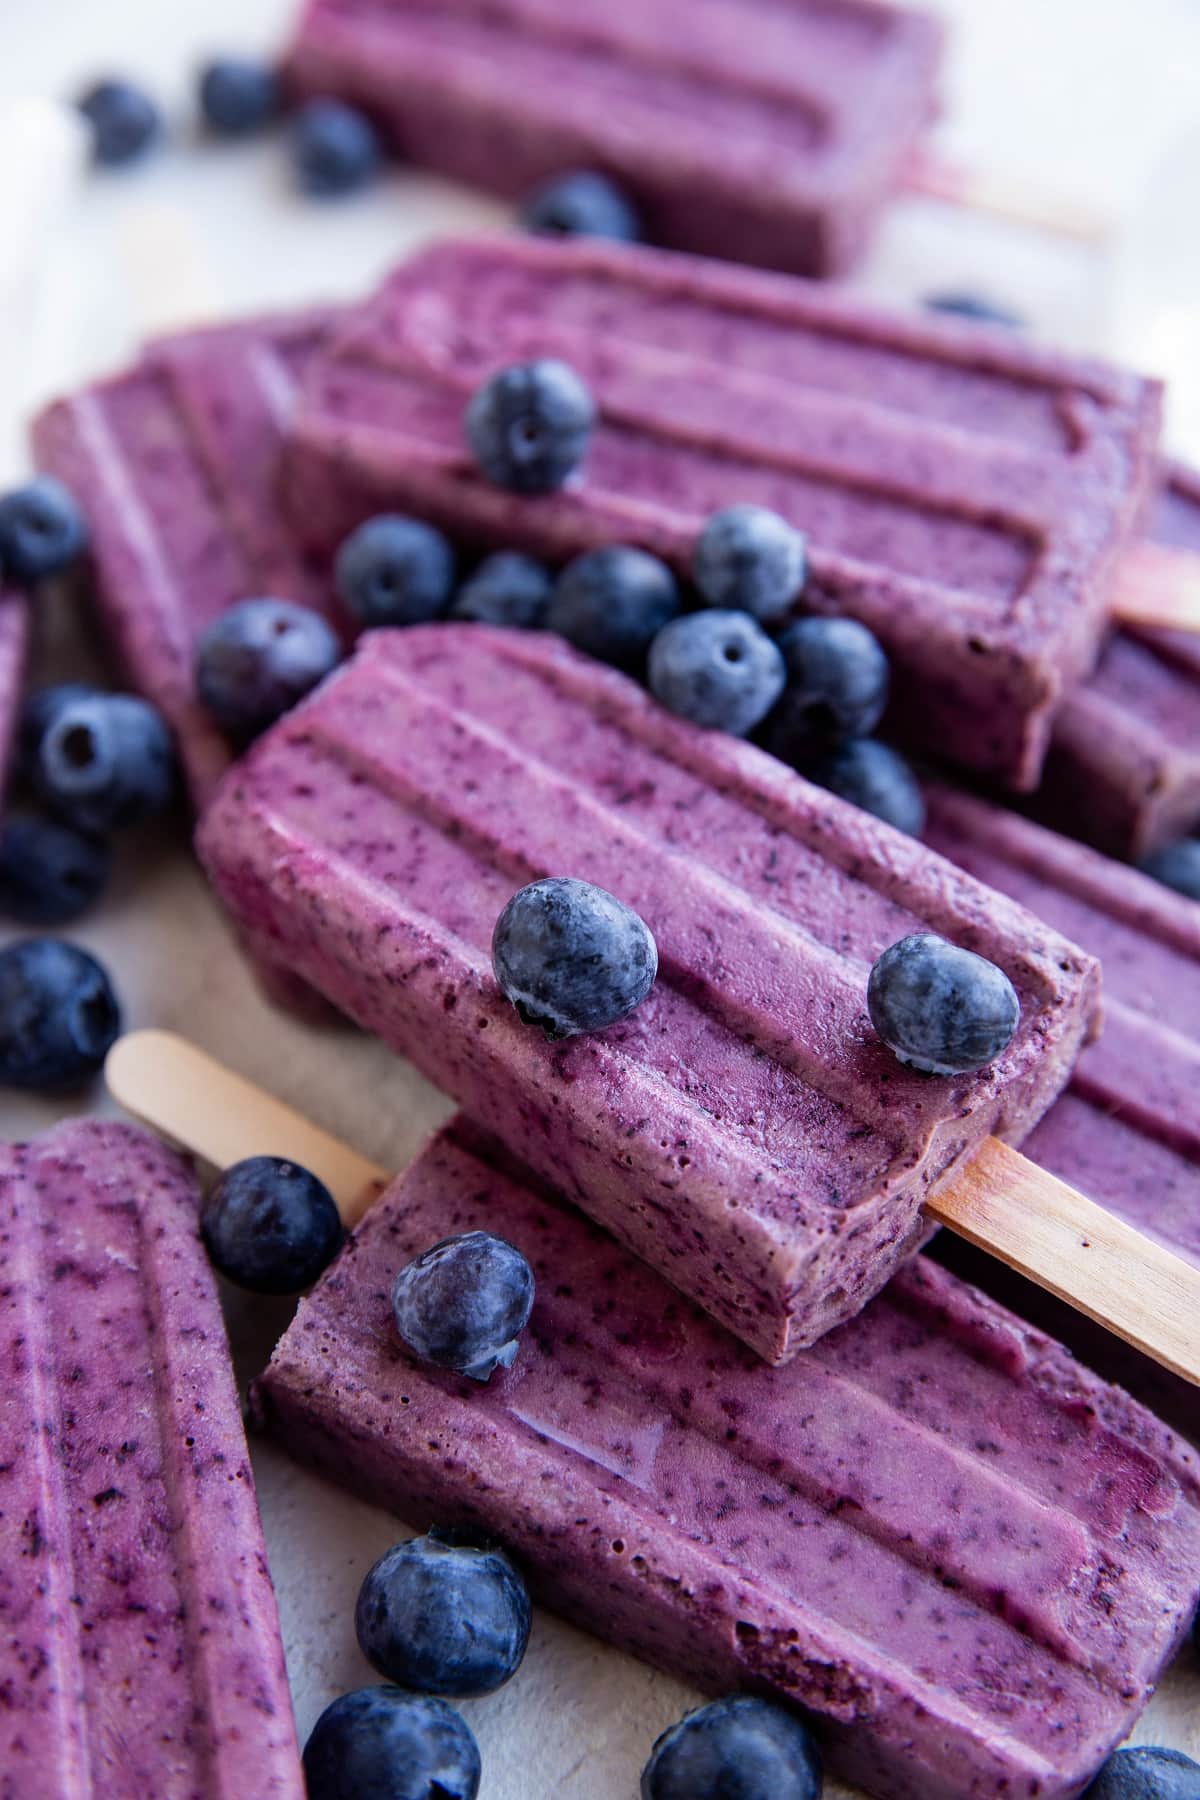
<point>506,589</point>
<point>1147,1774</point>
<point>735,1749</point>
<point>718,669</point>
<point>260,659</point>
<point>529,426</point>
<point>1176,866</point>
<point>395,571</point>
<point>613,603</point>
<point>572,957</point>
<point>872,776</point>
<point>125,122</point>
<point>838,678</point>
<point>59,1016</point>
<point>582,203</point>
<point>238,97</point>
<point>49,873</point>
<point>381,1744</point>
<point>42,530</point>
<point>940,1008</point>
<point>336,149</point>
<point>976,308</point>
<point>41,709</point>
<point>106,762</point>
<point>439,1615</point>
<point>464,1303</point>
<point>750,559</point>
<point>270,1226</point>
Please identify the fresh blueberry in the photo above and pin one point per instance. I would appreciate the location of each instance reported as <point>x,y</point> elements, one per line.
<point>105,762</point>
<point>444,1614</point>
<point>581,204</point>
<point>837,687</point>
<point>613,603</point>
<point>976,308</point>
<point>42,530</point>
<point>506,589</point>
<point>529,426</point>
<point>870,775</point>
<point>59,1016</point>
<point>1147,1774</point>
<point>940,1008</point>
<point>381,1744</point>
<point>336,149</point>
<point>238,96</point>
<point>750,559</point>
<point>718,669</point>
<point>572,957</point>
<point>258,659</point>
<point>49,873</point>
<point>41,709</point>
<point>464,1303</point>
<point>395,571</point>
<point>735,1749</point>
<point>124,121</point>
<point>1177,866</point>
<point>270,1226</point>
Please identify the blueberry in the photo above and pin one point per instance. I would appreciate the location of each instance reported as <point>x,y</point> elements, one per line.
<point>395,571</point>
<point>381,1744</point>
<point>238,96</point>
<point>1177,866</point>
<point>718,669</point>
<point>529,426</point>
<point>572,957</point>
<point>464,1303</point>
<point>59,1016</point>
<point>1147,1774</point>
<point>442,1614</point>
<point>870,775</point>
<point>258,660</point>
<point>336,149</point>
<point>49,873</point>
<point>735,1749</point>
<point>124,121</point>
<point>42,530</point>
<point>41,709</point>
<point>974,307</point>
<point>837,686</point>
<point>940,1008</point>
<point>106,761</point>
<point>270,1226</point>
<point>581,204</point>
<point>613,603</point>
<point>752,560</point>
<point>506,589</point>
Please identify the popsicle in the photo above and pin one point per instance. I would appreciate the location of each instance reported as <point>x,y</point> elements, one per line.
<point>174,464</point>
<point>139,1650</point>
<point>965,494</point>
<point>14,649</point>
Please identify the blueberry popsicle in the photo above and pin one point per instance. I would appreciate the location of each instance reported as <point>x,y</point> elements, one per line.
<point>965,494</point>
<point>139,1650</point>
<point>14,648</point>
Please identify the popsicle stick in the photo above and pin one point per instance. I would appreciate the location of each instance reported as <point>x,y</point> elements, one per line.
<point>1158,585</point>
<point>170,282</point>
<point>1005,197</point>
<point>191,1099</point>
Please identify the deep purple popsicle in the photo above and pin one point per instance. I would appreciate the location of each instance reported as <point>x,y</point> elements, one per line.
<point>14,651</point>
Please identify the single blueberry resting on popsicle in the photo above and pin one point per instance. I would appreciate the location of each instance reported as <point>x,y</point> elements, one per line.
<point>941,1008</point>
<point>49,872</point>
<point>581,203</point>
<point>446,1614</point>
<point>750,558</point>
<point>42,530</point>
<point>871,775</point>
<point>379,1743</point>
<point>238,96</point>
<point>106,761</point>
<point>1176,866</point>
<point>59,1016</point>
<point>718,669</point>
<point>612,603</point>
<point>464,1303</point>
<point>740,1747</point>
<point>336,149</point>
<point>529,426</point>
<point>270,1226</point>
<point>572,957</point>
<point>124,119</point>
<point>508,588</point>
<point>395,571</point>
<point>1147,1773</point>
<point>838,679</point>
<point>258,659</point>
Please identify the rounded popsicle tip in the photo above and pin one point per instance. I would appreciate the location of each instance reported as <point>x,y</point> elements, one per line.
<point>571,957</point>
<point>529,425</point>
<point>382,1741</point>
<point>270,1226</point>
<point>939,1008</point>
<point>738,1745</point>
<point>750,559</point>
<point>464,1303</point>
<point>444,1614</point>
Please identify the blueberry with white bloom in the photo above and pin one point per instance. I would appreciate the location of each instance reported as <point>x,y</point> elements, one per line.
<point>124,119</point>
<point>336,149</point>
<point>270,1226</point>
<point>49,872</point>
<point>740,1748</point>
<point>1147,1773</point>
<point>394,570</point>
<point>464,1303</point>
<point>837,686</point>
<point>718,669</point>
<point>238,96</point>
<point>748,558</point>
<point>582,203</point>
<point>506,589</point>
<point>39,712</point>
<point>256,661</point>
<point>1176,866</point>
<point>444,1614</point>
<point>870,775</point>
<point>105,762</point>
<point>379,1743</point>
<point>572,957</point>
<point>59,1016</point>
<point>940,1008</point>
<point>613,603</point>
<point>42,530</point>
<point>529,426</point>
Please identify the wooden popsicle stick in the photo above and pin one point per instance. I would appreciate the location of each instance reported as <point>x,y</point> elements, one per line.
<point>1005,197</point>
<point>1160,586</point>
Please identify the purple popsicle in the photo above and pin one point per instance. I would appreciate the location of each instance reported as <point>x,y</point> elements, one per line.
<point>14,651</point>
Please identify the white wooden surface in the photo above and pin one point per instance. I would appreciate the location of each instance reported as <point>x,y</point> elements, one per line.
<point>1100,97</point>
